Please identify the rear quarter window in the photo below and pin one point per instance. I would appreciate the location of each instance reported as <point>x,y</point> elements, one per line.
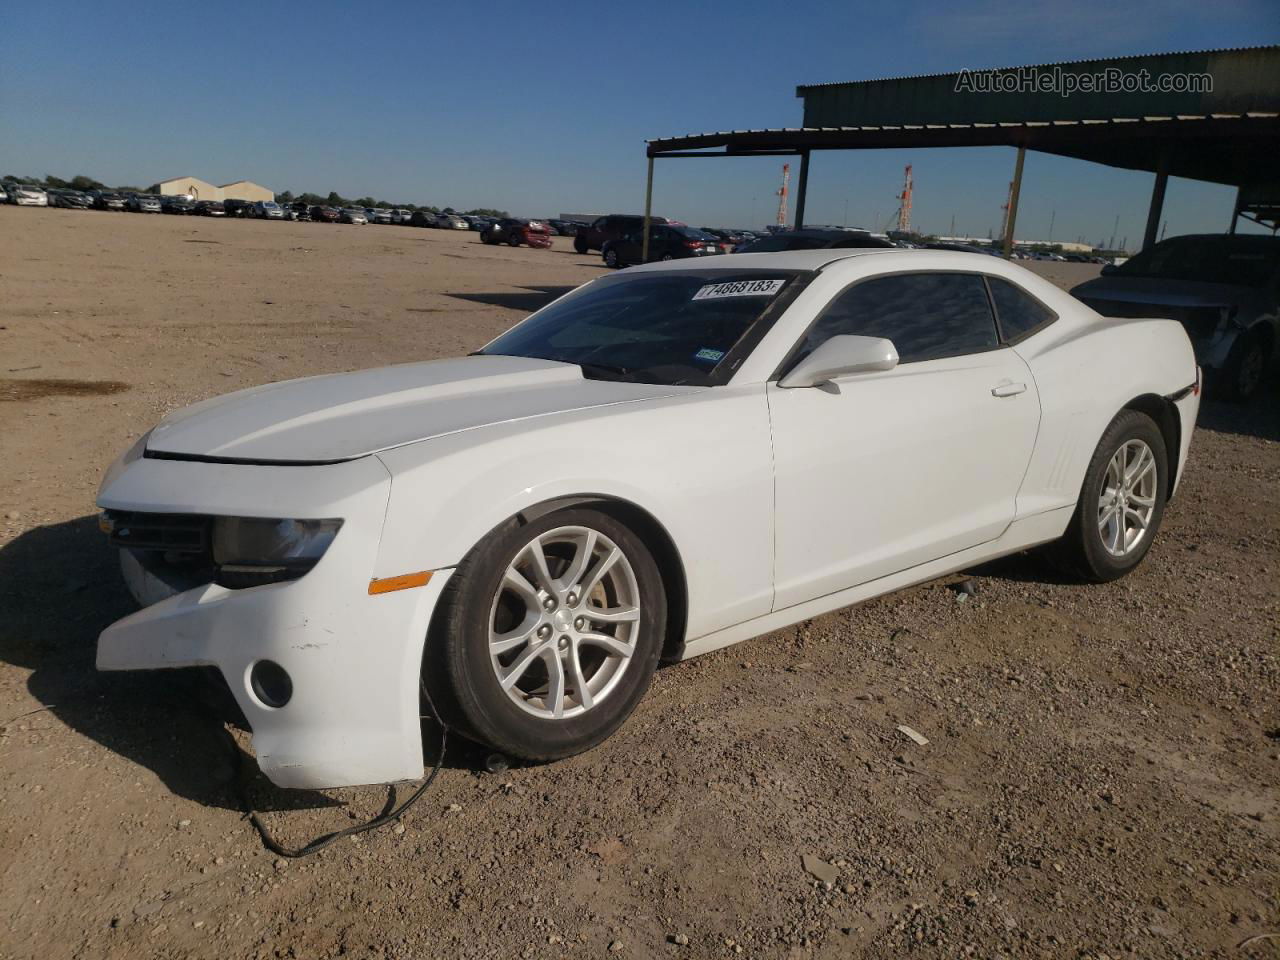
<point>1018,313</point>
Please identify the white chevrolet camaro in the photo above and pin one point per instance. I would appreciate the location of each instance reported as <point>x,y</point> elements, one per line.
<point>664,461</point>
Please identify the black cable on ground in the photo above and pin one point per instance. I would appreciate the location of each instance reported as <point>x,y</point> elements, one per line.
<point>387,816</point>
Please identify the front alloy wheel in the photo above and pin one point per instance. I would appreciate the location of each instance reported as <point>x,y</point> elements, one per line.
<point>560,642</point>
<point>548,633</point>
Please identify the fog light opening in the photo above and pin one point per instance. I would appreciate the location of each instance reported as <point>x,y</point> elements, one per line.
<point>270,683</point>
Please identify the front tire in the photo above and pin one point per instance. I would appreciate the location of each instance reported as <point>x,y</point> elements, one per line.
<point>580,245</point>
<point>611,259</point>
<point>1121,502</point>
<point>548,634</point>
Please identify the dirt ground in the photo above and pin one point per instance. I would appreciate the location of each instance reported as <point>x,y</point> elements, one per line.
<point>1102,766</point>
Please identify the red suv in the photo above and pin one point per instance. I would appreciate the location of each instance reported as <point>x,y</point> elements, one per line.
<point>510,230</point>
<point>613,227</point>
<point>323,215</point>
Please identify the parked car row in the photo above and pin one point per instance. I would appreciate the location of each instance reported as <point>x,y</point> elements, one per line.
<point>532,232</point>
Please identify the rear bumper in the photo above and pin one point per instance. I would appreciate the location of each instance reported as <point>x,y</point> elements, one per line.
<point>353,659</point>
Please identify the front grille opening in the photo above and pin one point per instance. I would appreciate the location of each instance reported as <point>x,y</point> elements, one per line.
<point>166,532</point>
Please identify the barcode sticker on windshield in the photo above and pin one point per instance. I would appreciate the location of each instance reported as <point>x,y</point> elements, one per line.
<point>739,288</point>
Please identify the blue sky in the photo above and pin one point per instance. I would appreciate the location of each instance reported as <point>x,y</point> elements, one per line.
<point>544,108</point>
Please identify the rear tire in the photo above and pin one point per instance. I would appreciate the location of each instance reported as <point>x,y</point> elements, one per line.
<point>486,692</point>
<point>1242,374</point>
<point>1116,519</point>
<point>580,245</point>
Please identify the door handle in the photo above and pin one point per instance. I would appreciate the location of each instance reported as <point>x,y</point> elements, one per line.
<point>1008,389</point>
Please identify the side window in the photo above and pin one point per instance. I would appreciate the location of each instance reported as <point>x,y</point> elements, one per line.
<point>926,315</point>
<point>1017,311</point>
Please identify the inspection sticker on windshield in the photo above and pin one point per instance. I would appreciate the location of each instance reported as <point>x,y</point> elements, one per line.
<point>739,288</point>
<point>706,353</point>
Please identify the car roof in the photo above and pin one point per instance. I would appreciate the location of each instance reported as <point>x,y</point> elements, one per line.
<point>822,232</point>
<point>813,260</point>
<point>780,260</point>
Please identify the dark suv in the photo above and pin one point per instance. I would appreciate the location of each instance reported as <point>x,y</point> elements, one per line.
<point>667,241</point>
<point>613,227</point>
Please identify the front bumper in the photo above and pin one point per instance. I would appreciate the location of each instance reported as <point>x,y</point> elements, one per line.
<point>353,658</point>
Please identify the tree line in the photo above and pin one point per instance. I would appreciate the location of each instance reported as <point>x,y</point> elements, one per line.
<point>334,199</point>
<point>78,182</point>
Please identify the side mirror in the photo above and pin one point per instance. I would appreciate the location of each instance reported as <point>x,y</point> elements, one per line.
<point>841,356</point>
<point>1108,269</point>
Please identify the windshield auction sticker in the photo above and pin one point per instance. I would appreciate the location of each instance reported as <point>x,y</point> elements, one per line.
<point>739,288</point>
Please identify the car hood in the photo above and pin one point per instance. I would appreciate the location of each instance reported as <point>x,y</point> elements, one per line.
<point>344,416</point>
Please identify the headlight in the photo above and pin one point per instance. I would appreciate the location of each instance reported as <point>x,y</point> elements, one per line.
<point>249,551</point>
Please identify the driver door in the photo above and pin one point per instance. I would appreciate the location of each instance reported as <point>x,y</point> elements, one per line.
<point>879,472</point>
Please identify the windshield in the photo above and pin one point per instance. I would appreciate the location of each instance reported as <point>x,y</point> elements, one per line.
<point>1240,261</point>
<point>673,328</point>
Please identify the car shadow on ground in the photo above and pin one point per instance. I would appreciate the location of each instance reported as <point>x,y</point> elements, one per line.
<point>59,587</point>
<point>1260,417</point>
<point>536,298</point>
<point>1030,566</point>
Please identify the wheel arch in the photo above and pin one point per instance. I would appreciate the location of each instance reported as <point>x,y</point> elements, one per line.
<point>656,538</point>
<point>1166,418</point>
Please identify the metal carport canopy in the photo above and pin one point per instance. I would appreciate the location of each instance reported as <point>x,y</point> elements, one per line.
<point>1228,133</point>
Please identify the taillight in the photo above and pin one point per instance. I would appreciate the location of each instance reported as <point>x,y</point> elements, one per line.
<point>693,244</point>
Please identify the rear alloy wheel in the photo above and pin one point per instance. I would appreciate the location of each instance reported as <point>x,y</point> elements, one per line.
<point>513,239</point>
<point>1121,503</point>
<point>551,633</point>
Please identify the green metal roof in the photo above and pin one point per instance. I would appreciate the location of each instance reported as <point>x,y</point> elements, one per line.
<point>1228,134</point>
<point>1245,80</point>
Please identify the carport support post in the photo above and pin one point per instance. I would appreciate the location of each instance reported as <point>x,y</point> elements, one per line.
<point>1235,211</point>
<point>1157,200</point>
<point>648,211</point>
<point>1016,189</point>
<point>803,189</point>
